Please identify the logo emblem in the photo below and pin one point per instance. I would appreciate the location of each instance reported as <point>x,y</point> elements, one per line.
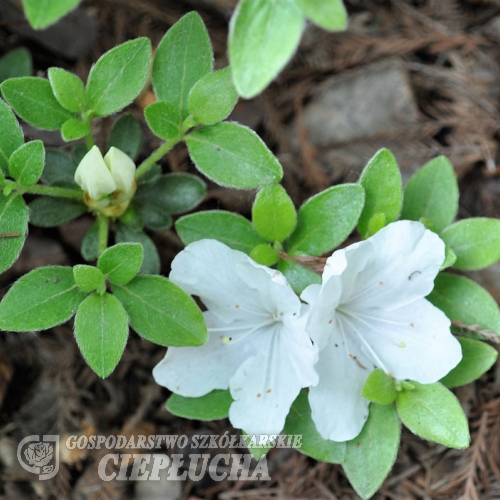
<point>40,456</point>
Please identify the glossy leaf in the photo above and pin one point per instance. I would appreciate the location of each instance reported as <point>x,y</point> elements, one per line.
<point>41,299</point>
<point>231,229</point>
<point>326,220</point>
<point>213,97</point>
<point>233,155</point>
<point>371,455</point>
<point>329,14</point>
<point>52,212</point>
<point>477,359</point>
<point>299,422</point>
<point>13,228</point>
<point>183,56</point>
<point>213,406</point>
<point>273,213</point>
<point>263,36</point>
<point>476,242</point>
<point>432,192</point>
<point>432,412</point>
<point>26,163</point>
<point>383,187</point>
<point>101,332</point>
<point>120,263</point>
<point>68,89</point>
<point>161,312</point>
<point>118,76</point>
<point>33,100</point>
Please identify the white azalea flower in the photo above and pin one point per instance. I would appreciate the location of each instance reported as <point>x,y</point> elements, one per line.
<point>257,345</point>
<point>100,176</point>
<point>370,312</point>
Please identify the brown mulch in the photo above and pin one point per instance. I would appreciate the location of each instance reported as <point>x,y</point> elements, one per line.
<point>450,50</point>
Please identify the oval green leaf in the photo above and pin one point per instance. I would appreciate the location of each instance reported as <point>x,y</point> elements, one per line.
<point>326,220</point>
<point>298,276</point>
<point>26,163</point>
<point>13,228</point>
<point>231,229</point>
<point>118,76</point>
<point>126,135</point>
<point>17,62</point>
<point>379,388</point>
<point>121,262</point>
<point>43,13</point>
<point>101,332</point>
<point>51,212</point>
<point>68,89</point>
<point>41,299</point>
<point>150,259</point>
<point>263,36</point>
<point>88,278</point>
<point>11,135</point>
<point>432,412</point>
<point>329,14</point>
<point>213,406</point>
<point>164,119</point>
<point>273,213</point>
<point>233,155</point>
<point>161,312</point>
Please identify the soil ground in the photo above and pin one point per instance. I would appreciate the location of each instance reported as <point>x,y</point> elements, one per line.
<point>444,57</point>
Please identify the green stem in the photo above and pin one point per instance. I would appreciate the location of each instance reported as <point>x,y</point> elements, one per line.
<point>59,192</point>
<point>156,155</point>
<point>89,139</point>
<point>103,228</point>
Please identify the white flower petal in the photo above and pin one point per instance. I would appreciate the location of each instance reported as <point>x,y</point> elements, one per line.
<point>214,272</point>
<point>413,342</point>
<point>93,176</point>
<point>337,407</point>
<point>122,169</point>
<point>266,385</point>
<point>196,371</point>
<point>400,265</point>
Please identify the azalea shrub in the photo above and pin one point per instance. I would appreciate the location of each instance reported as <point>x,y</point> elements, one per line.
<point>339,321</point>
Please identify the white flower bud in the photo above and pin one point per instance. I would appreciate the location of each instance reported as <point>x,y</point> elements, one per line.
<point>122,169</point>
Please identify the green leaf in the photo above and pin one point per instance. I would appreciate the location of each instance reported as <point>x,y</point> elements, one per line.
<point>465,302</point>
<point>265,254</point>
<point>298,276</point>
<point>213,406</point>
<point>13,228</point>
<point>59,169</point>
<point>17,62</point>
<point>90,243</point>
<point>183,56</point>
<point>326,220</point>
<point>273,213</point>
<point>51,212</point>
<point>161,312</point>
<point>43,13</point>
<point>432,412</point>
<point>74,129</point>
<point>88,278</point>
<point>449,259</point>
<point>78,151</point>
<point>379,388</point>
<point>263,37</point>
<point>477,359</point>
<point>329,14</point>
<point>371,455</point>
<point>375,224</point>
<point>164,119</point>
<point>11,135</point>
<point>151,259</point>
<point>432,192</point>
<point>120,263</point>
<point>476,242</point>
<point>68,89</point>
<point>231,229</point>
<point>258,446</point>
<point>381,180</point>
<point>41,299</point>
<point>126,135</point>
<point>153,217</point>
<point>213,97</point>
<point>299,422</point>
<point>101,332</point>
<point>172,193</point>
<point>32,99</point>
<point>118,76</point>
<point>233,155</point>
<point>26,163</point>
